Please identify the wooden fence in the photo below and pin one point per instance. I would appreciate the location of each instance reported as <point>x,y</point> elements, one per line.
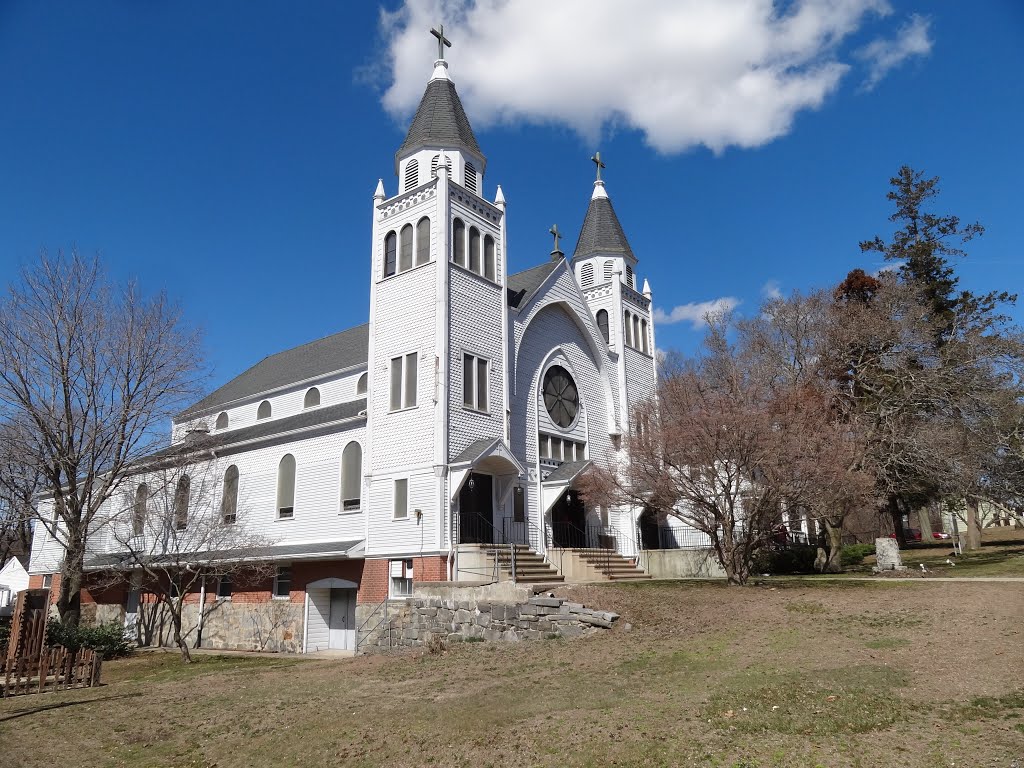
<point>30,666</point>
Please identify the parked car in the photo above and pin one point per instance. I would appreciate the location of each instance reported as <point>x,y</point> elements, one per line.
<point>911,534</point>
<point>940,535</point>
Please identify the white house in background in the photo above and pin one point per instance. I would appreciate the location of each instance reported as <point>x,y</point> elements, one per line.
<point>421,445</point>
<point>13,579</point>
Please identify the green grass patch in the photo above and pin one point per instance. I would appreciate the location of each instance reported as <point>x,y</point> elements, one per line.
<point>806,607</point>
<point>164,667</point>
<point>808,703</point>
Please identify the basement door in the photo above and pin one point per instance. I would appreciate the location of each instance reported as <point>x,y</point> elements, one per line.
<point>341,623</point>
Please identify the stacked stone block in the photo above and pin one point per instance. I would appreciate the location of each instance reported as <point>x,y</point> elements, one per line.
<point>421,620</point>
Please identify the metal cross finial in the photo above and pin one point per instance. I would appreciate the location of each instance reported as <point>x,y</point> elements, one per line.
<point>596,160</point>
<point>558,236</point>
<point>442,41</point>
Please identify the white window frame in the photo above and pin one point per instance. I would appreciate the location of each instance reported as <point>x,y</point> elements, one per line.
<point>394,499</point>
<point>277,575</point>
<point>472,401</point>
<point>400,575</point>
<point>220,583</point>
<point>47,581</point>
<point>403,380</point>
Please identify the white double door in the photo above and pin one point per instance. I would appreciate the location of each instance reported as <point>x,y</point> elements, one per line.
<point>341,628</point>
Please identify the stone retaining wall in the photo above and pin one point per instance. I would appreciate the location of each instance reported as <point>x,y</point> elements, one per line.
<point>421,619</point>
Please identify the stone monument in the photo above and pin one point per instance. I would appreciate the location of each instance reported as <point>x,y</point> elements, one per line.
<point>887,556</point>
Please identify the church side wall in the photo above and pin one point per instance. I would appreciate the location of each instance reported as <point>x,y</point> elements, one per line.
<point>640,380</point>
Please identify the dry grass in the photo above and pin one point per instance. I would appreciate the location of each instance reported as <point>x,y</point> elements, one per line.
<point>863,674</point>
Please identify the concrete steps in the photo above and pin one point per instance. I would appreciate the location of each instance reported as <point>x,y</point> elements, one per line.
<point>612,565</point>
<point>531,568</point>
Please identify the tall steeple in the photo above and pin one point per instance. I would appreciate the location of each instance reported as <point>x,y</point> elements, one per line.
<point>440,124</point>
<point>602,233</point>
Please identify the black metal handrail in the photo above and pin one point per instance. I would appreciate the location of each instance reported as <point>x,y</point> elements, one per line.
<point>474,528</point>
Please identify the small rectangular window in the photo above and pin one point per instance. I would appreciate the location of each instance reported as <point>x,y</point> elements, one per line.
<point>47,581</point>
<point>396,383</point>
<point>404,381</point>
<point>283,582</point>
<point>401,587</point>
<point>474,382</point>
<point>224,587</point>
<point>401,507</point>
<point>545,451</point>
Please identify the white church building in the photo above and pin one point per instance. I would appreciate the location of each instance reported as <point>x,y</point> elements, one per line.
<point>442,437</point>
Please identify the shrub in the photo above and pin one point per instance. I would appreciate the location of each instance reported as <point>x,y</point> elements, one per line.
<point>799,559</point>
<point>5,632</point>
<point>854,554</point>
<point>110,639</point>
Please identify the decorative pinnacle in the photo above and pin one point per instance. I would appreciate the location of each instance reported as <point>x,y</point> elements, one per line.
<point>442,41</point>
<point>556,253</point>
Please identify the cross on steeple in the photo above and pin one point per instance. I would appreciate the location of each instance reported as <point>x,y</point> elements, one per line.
<point>556,252</point>
<point>442,41</point>
<point>596,160</point>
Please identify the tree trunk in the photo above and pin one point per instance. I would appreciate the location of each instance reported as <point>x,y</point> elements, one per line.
<point>179,640</point>
<point>893,506</point>
<point>834,563</point>
<point>972,535</point>
<point>69,595</point>
<point>924,522</point>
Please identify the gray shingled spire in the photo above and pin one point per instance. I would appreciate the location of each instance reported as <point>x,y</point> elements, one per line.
<point>601,232</point>
<point>440,121</point>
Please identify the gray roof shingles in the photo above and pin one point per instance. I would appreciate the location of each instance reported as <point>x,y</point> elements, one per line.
<point>440,121</point>
<point>331,353</point>
<point>522,285</point>
<point>567,472</point>
<point>602,232</point>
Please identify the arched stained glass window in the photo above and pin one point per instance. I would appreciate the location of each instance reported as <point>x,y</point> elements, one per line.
<point>390,254</point>
<point>229,496</point>
<point>286,487</point>
<point>423,241</point>
<point>602,323</point>
<point>351,476</point>
<point>628,327</point>
<point>489,261</point>
<point>459,242</point>
<point>182,496</point>
<point>643,337</point>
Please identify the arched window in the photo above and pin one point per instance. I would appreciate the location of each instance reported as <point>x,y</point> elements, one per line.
<point>139,510</point>
<point>423,241</point>
<point>312,398</point>
<point>390,253</point>
<point>629,277</point>
<point>629,330</point>
<point>405,249</point>
<point>181,499</point>
<point>602,323</point>
<point>286,487</point>
<point>489,268</point>
<point>351,472</point>
<point>643,337</point>
<point>471,177</point>
<point>586,275</point>
<point>263,412</point>
<point>636,331</point>
<point>459,242</point>
<point>474,250</point>
<point>222,420</point>
<point>412,174</point>
<point>229,496</point>
<point>361,385</point>
<point>609,268</point>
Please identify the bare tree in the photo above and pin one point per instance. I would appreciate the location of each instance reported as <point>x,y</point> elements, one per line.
<point>180,525</point>
<point>19,484</point>
<point>93,371</point>
<point>726,450</point>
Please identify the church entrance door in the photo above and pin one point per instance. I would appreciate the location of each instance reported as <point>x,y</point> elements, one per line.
<point>569,521</point>
<point>476,510</point>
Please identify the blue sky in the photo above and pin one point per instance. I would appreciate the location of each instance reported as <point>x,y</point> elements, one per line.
<point>228,152</point>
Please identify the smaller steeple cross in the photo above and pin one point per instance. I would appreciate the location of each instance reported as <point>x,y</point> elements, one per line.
<point>558,236</point>
<point>596,160</point>
<point>442,41</point>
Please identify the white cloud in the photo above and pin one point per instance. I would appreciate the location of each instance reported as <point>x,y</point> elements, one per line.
<point>883,55</point>
<point>696,312</point>
<point>771,290</point>
<point>683,72</point>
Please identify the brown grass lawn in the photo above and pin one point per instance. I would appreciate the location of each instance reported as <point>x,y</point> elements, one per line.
<point>800,674</point>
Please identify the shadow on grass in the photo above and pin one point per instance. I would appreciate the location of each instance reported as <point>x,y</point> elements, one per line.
<point>62,704</point>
